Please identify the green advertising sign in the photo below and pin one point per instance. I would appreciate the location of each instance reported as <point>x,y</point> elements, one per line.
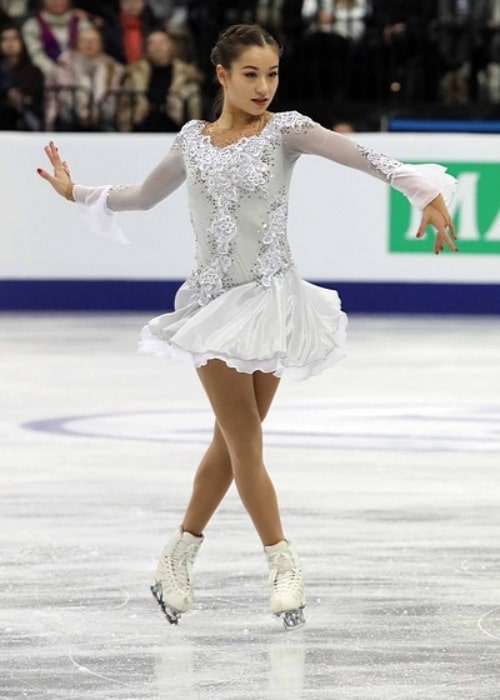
<point>475,210</point>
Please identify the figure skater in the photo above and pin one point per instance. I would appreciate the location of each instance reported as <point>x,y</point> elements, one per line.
<point>244,317</point>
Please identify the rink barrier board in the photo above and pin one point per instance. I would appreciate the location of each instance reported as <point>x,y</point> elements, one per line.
<point>156,295</point>
<point>345,228</point>
<point>450,126</point>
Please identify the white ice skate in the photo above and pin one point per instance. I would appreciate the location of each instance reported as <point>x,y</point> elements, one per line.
<point>287,593</point>
<point>173,579</point>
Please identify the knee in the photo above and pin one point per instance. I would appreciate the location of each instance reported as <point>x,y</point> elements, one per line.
<point>244,457</point>
<point>217,456</point>
<point>245,446</point>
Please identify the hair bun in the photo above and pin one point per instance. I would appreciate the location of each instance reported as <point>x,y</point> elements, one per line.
<point>234,39</point>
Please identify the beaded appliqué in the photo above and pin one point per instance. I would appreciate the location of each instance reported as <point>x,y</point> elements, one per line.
<point>295,121</point>
<point>381,163</point>
<point>226,179</point>
<point>274,253</point>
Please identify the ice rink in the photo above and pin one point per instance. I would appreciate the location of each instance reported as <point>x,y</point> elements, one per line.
<point>387,469</point>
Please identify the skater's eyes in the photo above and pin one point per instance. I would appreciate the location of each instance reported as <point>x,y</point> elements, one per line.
<point>253,74</point>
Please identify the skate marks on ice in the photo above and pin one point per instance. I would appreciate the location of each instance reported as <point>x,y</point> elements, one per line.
<point>71,656</point>
<point>388,481</point>
<point>489,620</point>
<point>390,622</point>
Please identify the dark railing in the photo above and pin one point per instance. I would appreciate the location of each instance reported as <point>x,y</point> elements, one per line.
<point>75,108</point>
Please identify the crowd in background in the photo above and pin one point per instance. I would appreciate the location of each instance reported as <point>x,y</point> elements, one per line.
<point>143,65</point>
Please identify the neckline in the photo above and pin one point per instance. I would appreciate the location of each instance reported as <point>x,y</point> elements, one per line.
<point>208,139</point>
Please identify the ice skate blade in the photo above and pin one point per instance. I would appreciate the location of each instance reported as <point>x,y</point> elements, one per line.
<point>292,619</point>
<point>173,616</point>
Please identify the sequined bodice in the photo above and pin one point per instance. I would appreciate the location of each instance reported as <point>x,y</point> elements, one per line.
<point>238,195</point>
<point>238,200</point>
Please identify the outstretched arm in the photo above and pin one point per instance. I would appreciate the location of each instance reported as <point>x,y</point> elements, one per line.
<point>424,185</point>
<point>161,182</point>
<point>99,203</point>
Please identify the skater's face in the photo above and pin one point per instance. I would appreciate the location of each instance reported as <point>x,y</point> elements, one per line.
<point>251,81</point>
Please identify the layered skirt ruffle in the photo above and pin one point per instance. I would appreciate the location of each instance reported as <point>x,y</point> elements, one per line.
<point>292,328</point>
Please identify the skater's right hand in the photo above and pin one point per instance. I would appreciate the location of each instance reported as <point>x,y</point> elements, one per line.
<point>61,179</point>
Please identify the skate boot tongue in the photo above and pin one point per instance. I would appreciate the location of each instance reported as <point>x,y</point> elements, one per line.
<point>188,538</point>
<point>282,546</point>
<point>281,556</point>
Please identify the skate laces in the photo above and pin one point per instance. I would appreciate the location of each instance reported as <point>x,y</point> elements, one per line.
<point>179,565</point>
<point>285,573</point>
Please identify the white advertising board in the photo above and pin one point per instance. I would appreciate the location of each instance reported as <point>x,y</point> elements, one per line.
<point>344,225</point>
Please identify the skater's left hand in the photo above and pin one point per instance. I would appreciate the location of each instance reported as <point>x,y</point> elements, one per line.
<point>436,214</point>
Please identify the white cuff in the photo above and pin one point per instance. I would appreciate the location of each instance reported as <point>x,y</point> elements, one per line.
<point>423,183</point>
<point>101,220</point>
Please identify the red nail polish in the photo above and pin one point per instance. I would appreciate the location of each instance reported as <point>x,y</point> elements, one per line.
<point>39,170</point>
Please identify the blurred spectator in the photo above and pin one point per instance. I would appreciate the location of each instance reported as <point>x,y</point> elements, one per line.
<point>400,27</point>
<point>21,84</point>
<point>82,88</point>
<point>18,9</point>
<point>269,14</point>
<point>486,57</point>
<point>288,20</point>
<point>5,19</point>
<point>99,12</point>
<point>292,23</point>
<point>176,17</point>
<point>350,18</point>
<point>350,22</point>
<point>51,31</point>
<point>343,127</point>
<point>324,60</point>
<point>125,34</point>
<point>453,32</point>
<point>165,10</point>
<point>161,92</point>
<point>311,8</point>
<point>207,18</point>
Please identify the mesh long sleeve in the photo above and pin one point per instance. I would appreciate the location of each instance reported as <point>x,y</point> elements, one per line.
<point>99,204</point>
<point>419,183</point>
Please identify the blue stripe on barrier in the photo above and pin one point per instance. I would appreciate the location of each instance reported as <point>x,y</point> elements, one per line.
<point>151,295</point>
<point>445,125</point>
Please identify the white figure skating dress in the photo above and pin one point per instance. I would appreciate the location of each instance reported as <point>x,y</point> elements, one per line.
<point>245,303</point>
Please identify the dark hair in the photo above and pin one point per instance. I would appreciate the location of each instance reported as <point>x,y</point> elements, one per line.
<point>24,57</point>
<point>230,45</point>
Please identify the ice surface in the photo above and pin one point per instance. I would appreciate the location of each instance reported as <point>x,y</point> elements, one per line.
<point>387,469</point>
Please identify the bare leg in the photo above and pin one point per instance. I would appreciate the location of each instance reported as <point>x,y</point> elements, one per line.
<point>240,401</point>
<point>215,474</point>
<point>212,480</point>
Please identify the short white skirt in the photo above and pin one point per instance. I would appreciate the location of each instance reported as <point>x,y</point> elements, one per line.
<point>292,328</point>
